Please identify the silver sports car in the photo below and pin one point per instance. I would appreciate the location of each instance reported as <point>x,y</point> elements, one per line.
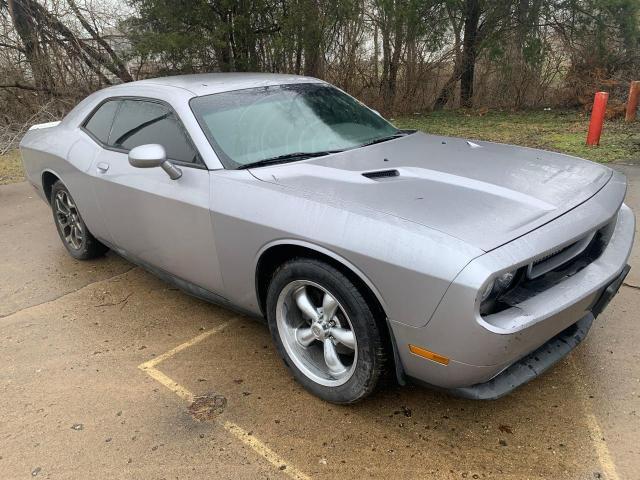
<point>371,251</point>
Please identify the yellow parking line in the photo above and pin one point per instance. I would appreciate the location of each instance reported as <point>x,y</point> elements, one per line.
<point>597,436</point>
<point>236,430</point>
<point>602,449</point>
<point>169,383</point>
<point>264,451</point>
<point>161,358</point>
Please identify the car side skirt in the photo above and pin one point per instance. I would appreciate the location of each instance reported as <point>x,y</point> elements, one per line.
<point>187,287</point>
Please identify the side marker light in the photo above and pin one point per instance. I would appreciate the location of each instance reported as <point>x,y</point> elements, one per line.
<point>429,355</point>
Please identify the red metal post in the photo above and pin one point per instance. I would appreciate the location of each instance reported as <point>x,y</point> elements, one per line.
<point>632,103</point>
<point>597,118</point>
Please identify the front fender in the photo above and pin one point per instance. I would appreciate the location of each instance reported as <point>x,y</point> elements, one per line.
<point>407,266</point>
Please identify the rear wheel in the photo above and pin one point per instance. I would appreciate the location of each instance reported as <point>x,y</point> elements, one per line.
<point>325,331</point>
<point>75,235</point>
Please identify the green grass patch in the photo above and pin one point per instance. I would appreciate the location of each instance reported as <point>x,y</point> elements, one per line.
<point>563,132</point>
<point>11,168</point>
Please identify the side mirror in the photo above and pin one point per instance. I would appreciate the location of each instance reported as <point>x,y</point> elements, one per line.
<point>153,155</point>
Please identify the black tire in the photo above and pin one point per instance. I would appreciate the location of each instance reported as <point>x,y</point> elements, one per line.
<point>370,358</point>
<point>84,247</point>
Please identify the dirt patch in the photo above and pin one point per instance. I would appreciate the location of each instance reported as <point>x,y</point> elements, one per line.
<point>207,407</point>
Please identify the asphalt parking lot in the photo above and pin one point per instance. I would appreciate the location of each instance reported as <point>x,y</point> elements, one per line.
<point>107,372</point>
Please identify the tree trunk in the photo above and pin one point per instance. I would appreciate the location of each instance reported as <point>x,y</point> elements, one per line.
<point>312,38</point>
<point>299,46</point>
<point>386,61</point>
<point>245,39</point>
<point>394,65</point>
<point>412,67</point>
<point>26,28</point>
<point>469,51</point>
<point>376,54</point>
<point>447,92</point>
<point>393,34</point>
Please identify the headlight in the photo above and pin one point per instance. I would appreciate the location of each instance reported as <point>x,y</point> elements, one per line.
<point>498,285</point>
<point>504,281</point>
<point>487,291</point>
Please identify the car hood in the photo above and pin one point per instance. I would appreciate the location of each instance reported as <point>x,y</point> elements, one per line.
<point>483,193</point>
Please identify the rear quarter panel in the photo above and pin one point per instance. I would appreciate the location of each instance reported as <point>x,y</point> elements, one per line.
<point>68,154</point>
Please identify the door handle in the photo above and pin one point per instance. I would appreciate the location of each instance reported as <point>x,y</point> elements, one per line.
<point>102,167</point>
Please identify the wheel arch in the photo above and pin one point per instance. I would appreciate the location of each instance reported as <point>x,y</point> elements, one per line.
<point>275,254</point>
<point>48,179</point>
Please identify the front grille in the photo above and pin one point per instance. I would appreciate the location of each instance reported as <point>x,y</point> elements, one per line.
<point>554,267</point>
<point>557,258</point>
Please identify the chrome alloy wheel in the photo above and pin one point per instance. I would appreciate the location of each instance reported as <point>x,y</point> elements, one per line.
<point>68,219</point>
<point>316,333</point>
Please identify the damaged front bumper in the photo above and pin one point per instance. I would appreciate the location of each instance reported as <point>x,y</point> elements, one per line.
<point>543,358</point>
<point>489,359</point>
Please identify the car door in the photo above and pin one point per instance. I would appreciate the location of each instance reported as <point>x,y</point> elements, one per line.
<point>160,222</point>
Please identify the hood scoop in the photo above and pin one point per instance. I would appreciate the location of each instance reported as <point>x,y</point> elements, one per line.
<point>381,174</point>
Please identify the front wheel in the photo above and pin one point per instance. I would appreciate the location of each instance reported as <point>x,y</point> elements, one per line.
<point>75,235</point>
<point>325,331</point>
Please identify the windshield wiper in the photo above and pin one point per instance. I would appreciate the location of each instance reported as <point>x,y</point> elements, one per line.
<point>288,157</point>
<point>292,157</point>
<point>385,139</point>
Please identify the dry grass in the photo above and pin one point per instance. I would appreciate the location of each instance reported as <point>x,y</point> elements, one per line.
<point>11,168</point>
<point>563,132</point>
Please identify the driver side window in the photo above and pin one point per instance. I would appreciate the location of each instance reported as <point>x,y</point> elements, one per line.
<point>141,122</point>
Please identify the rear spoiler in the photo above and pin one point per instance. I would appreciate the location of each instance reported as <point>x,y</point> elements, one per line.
<point>39,126</point>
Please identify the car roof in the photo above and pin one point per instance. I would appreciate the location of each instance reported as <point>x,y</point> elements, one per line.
<point>209,83</point>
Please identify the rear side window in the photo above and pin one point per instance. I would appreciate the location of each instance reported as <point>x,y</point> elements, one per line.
<point>100,122</point>
<point>140,122</point>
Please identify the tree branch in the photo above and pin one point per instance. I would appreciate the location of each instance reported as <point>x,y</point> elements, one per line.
<point>122,71</point>
<point>23,86</point>
<point>12,47</point>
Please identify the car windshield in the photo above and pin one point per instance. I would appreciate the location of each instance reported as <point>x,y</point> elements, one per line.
<point>286,123</point>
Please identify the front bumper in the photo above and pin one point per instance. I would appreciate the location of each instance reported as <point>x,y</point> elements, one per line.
<point>480,350</point>
<point>543,358</point>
